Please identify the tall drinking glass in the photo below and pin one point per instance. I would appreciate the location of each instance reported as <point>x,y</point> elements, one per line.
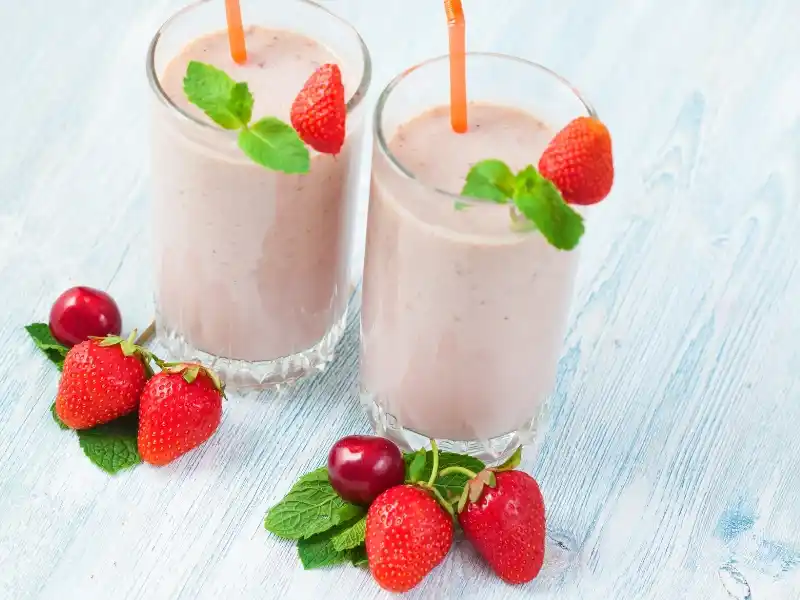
<point>253,269</point>
<point>464,315</point>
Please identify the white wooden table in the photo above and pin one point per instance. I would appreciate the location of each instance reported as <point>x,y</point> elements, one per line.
<point>671,467</point>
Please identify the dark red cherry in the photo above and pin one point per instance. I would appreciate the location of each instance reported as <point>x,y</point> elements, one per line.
<point>361,467</point>
<point>84,312</point>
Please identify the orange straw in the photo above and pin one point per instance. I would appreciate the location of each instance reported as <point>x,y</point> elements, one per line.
<point>235,32</point>
<point>458,65</point>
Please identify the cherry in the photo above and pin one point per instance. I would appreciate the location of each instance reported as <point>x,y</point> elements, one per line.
<point>362,467</point>
<point>84,312</point>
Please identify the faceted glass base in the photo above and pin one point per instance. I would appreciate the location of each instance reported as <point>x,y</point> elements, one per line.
<point>492,451</point>
<point>244,376</point>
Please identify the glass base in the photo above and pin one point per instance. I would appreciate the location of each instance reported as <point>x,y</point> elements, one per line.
<point>244,376</point>
<point>492,451</point>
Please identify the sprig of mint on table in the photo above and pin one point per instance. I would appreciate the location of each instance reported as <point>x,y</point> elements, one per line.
<point>268,142</point>
<point>329,531</point>
<point>537,200</point>
<point>111,446</point>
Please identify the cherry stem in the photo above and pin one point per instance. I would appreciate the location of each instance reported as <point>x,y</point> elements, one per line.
<point>457,469</point>
<point>435,468</point>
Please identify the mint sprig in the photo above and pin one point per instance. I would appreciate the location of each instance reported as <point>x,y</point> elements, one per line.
<point>43,338</point>
<point>268,142</point>
<point>311,507</point>
<point>327,529</point>
<point>536,198</point>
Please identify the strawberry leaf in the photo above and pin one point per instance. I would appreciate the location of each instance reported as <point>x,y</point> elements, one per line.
<point>43,338</point>
<point>112,446</point>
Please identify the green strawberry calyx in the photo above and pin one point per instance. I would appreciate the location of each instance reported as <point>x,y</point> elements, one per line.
<point>130,348</point>
<point>416,469</point>
<point>189,371</point>
<point>478,481</point>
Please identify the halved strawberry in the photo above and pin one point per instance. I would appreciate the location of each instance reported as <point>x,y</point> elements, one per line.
<point>319,111</point>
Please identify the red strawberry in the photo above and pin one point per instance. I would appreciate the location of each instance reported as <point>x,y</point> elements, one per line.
<point>180,408</point>
<point>319,111</point>
<point>101,381</point>
<point>579,161</point>
<point>506,523</point>
<point>408,534</point>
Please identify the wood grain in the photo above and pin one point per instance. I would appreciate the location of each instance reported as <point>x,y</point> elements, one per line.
<point>671,465</point>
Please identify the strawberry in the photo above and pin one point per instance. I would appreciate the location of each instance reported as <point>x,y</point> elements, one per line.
<point>505,521</point>
<point>319,111</point>
<point>180,408</point>
<point>408,534</point>
<point>101,381</point>
<point>579,161</point>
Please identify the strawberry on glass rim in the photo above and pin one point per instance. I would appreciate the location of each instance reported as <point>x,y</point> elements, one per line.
<point>319,112</point>
<point>577,167</point>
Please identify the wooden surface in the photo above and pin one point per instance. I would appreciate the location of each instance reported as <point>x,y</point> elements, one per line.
<point>671,467</point>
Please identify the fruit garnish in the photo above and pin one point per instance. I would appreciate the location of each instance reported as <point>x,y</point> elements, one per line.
<point>361,467</point>
<point>534,202</point>
<point>408,534</point>
<point>180,408</point>
<point>101,381</point>
<point>112,446</point>
<point>501,512</point>
<point>83,312</point>
<point>330,530</point>
<point>579,161</point>
<point>268,142</point>
<point>319,112</point>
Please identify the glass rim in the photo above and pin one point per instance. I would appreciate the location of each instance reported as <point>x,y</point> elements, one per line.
<point>383,144</point>
<point>353,102</point>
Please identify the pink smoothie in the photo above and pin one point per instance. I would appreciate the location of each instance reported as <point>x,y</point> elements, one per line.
<point>252,264</point>
<point>463,319</point>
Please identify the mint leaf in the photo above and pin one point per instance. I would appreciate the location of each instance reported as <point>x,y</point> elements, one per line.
<point>451,485</point>
<point>43,338</point>
<point>319,550</point>
<point>417,466</point>
<point>358,556</point>
<point>540,201</point>
<point>227,103</point>
<point>310,507</point>
<point>112,446</point>
<point>56,418</point>
<point>490,180</point>
<point>275,145</point>
<point>352,536</point>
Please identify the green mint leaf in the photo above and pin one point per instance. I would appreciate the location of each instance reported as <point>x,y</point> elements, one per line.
<point>56,418</point>
<point>538,199</point>
<point>352,536</point>
<point>417,466</point>
<point>490,180</point>
<point>319,551</point>
<point>112,446</point>
<point>310,507</point>
<point>452,485</point>
<point>43,338</point>
<point>275,145</point>
<point>358,556</point>
<point>227,103</point>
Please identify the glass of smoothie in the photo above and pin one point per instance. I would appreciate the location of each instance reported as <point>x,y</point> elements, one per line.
<point>464,312</point>
<point>253,269</point>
